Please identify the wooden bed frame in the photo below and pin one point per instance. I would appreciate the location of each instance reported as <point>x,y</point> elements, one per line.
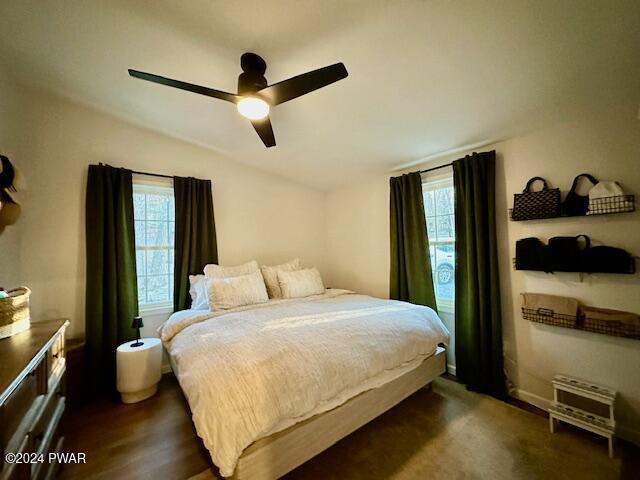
<point>273,456</point>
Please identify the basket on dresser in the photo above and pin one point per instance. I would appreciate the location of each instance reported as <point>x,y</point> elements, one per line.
<point>14,312</point>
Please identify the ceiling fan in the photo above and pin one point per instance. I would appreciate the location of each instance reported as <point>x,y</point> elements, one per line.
<point>255,97</point>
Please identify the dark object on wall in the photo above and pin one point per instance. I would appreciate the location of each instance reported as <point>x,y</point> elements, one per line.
<point>478,321</point>
<point>7,174</point>
<point>604,259</point>
<point>10,209</point>
<point>530,205</point>
<point>530,254</point>
<point>111,291</point>
<point>410,274</point>
<point>564,254</point>
<point>195,242</point>
<point>252,87</point>
<point>575,205</point>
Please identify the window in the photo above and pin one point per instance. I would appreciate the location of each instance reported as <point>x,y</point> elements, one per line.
<point>439,212</point>
<point>154,216</point>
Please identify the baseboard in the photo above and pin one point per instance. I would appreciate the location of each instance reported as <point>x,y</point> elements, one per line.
<point>166,368</point>
<point>451,369</point>
<point>628,434</point>
<point>533,399</point>
<point>622,431</point>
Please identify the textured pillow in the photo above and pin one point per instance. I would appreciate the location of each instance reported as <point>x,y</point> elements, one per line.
<point>229,292</point>
<point>198,292</point>
<point>300,283</point>
<point>218,271</point>
<point>270,275</point>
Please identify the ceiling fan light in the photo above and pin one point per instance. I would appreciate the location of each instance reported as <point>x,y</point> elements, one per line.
<point>253,108</point>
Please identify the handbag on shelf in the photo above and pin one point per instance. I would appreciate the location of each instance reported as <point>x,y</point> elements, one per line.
<point>574,204</point>
<point>529,254</point>
<point>564,254</point>
<point>605,259</point>
<point>530,205</point>
<point>608,197</point>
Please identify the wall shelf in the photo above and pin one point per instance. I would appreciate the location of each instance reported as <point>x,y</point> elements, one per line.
<point>631,271</point>
<point>586,322</point>
<point>603,206</point>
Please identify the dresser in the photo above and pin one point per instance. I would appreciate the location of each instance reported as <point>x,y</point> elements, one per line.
<point>32,400</point>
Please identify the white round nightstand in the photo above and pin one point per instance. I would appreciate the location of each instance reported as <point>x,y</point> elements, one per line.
<point>139,369</point>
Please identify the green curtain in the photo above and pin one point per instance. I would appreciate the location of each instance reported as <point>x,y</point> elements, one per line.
<point>195,242</point>
<point>111,291</point>
<point>479,361</point>
<point>410,278</point>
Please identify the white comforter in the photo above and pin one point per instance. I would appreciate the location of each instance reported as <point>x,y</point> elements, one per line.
<point>250,372</point>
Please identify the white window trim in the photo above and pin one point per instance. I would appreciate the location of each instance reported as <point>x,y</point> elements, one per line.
<point>151,309</point>
<point>431,182</point>
<point>446,306</point>
<point>140,181</point>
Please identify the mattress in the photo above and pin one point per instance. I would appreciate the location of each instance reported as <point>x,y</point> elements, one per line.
<point>253,371</point>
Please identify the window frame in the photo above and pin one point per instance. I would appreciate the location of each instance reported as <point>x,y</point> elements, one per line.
<point>432,182</point>
<point>154,185</point>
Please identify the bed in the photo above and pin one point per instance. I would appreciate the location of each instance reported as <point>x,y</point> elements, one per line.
<point>271,385</point>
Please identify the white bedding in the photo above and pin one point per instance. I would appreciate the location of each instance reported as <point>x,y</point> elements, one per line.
<point>252,371</point>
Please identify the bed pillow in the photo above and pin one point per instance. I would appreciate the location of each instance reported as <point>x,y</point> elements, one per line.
<point>270,275</point>
<point>198,292</point>
<point>219,271</point>
<point>300,283</point>
<point>230,292</point>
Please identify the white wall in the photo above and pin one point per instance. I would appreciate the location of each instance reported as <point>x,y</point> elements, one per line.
<point>606,144</point>
<point>258,215</point>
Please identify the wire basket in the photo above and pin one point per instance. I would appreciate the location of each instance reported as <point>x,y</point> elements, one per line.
<point>549,317</point>
<point>597,322</point>
<point>616,204</point>
<point>588,323</point>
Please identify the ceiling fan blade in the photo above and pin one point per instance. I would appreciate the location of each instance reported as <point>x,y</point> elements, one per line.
<point>302,84</point>
<point>209,92</point>
<point>265,132</point>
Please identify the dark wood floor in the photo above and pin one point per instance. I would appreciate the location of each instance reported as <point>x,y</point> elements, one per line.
<point>153,439</point>
<point>441,434</point>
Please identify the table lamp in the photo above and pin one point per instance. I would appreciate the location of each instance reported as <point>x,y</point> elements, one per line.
<point>137,324</point>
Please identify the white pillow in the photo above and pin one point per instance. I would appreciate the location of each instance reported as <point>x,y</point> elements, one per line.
<point>300,283</point>
<point>219,271</point>
<point>270,275</point>
<point>198,292</point>
<point>229,292</point>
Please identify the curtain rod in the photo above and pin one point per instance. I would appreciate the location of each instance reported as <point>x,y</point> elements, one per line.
<point>143,173</point>
<point>151,174</point>
<point>436,168</point>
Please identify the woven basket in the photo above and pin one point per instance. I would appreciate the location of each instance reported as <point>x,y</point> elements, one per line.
<point>14,312</point>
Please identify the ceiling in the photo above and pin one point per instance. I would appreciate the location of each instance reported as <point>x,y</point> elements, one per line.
<point>424,76</point>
